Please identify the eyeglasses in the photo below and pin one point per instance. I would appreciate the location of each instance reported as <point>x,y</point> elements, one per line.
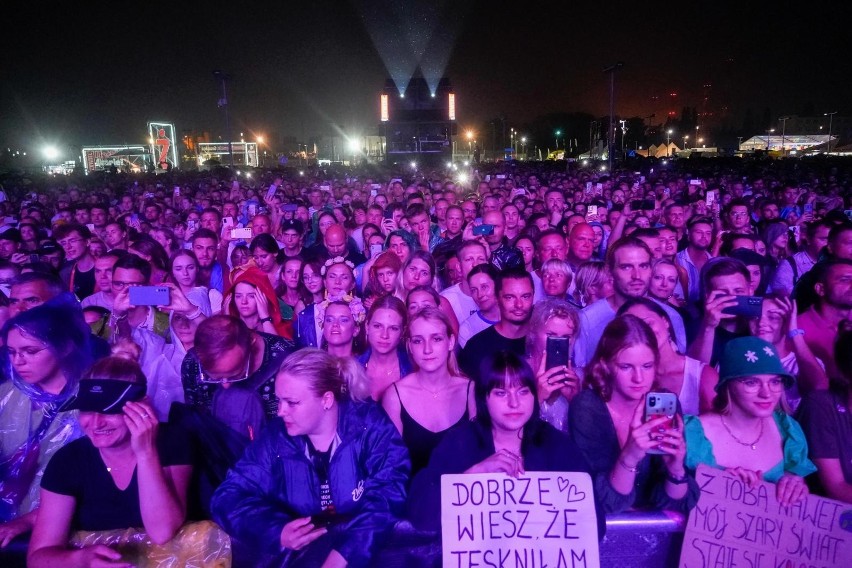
<point>752,385</point>
<point>69,242</point>
<point>205,378</point>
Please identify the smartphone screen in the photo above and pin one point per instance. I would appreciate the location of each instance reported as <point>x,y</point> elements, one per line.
<point>375,250</point>
<point>660,404</point>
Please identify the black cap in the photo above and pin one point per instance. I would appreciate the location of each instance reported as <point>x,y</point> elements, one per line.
<point>106,396</point>
<point>48,247</point>
<point>293,224</point>
<point>10,234</point>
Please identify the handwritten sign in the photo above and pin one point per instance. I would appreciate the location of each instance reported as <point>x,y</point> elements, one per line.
<point>539,520</point>
<point>734,525</point>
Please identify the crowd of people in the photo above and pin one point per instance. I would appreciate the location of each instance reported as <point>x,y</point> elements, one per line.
<point>299,356</point>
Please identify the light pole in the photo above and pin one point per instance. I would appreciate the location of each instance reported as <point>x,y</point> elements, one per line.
<point>223,103</point>
<point>611,70</point>
<point>669,133</point>
<point>830,116</point>
<point>783,120</point>
<point>768,133</point>
<point>524,143</point>
<point>558,134</point>
<point>469,135</point>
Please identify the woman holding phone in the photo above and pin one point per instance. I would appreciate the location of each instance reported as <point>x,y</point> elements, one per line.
<point>553,326</point>
<point>637,463</point>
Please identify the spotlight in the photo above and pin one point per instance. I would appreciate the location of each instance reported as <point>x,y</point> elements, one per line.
<point>585,162</point>
<point>248,175</point>
<point>603,168</point>
<point>466,164</point>
<point>433,95</point>
<point>449,164</point>
<point>50,152</point>
<point>402,95</point>
<point>301,173</point>
<point>354,146</point>
<point>414,165</point>
<point>462,177</point>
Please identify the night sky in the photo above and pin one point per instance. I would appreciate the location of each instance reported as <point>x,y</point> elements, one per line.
<point>77,73</point>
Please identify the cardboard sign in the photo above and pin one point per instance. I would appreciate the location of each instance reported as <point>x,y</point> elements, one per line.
<point>541,519</point>
<point>734,525</point>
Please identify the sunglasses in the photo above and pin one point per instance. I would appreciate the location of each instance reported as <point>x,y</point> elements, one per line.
<point>204,377</point>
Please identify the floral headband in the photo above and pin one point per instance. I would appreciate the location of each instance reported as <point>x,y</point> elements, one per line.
<point>356,308</point>
<point>336,260</point>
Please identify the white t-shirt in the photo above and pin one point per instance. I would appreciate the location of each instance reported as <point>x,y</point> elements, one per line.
<point>462,304</point>
<point>471,326</point>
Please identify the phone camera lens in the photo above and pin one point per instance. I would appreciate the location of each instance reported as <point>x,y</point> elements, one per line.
<point>652,401</point>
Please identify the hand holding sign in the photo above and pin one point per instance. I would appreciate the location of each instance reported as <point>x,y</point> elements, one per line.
<point>503,461</point>
<point>537,519</point>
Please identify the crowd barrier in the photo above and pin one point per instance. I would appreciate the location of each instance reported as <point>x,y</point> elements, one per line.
<point>638,539</point>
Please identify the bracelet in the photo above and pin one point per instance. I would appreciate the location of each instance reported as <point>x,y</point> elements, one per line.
<point>116,318</point>
<point>676,480</point>
<point>794,332</point>
<point>633,469</point>
<point>266,319</point>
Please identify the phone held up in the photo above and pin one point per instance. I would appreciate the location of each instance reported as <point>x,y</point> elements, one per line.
<point>660,404</point>
<point>483,230</point>
<point>557,352</point>
<point>747,306</point>
<point>150,296</point>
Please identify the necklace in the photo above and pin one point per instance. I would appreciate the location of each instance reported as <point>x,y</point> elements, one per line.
<point>430,391</point>
<point>740,442</point>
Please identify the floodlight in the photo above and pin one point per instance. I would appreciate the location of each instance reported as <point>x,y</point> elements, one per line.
<point>462,177</point>
<point>50,152</point>
<point>354,145</point>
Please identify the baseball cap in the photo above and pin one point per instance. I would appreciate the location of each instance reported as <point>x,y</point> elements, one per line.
<point>10,234</point>
<point>292,224</point>
<point>106,396</point>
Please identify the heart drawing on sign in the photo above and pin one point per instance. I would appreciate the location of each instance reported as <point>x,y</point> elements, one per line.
<point>574,495</point>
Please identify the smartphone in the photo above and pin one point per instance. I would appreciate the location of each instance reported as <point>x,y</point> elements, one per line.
<point>809,208</point>
<point>290,207</point>
<point>396,180</point>
<point>191,224</point>
<point>588,187</point>
<point>500,176</point>
<point>660,404</point>
<point>252,209</point>
<point>667,192</point>
<point>375,186</point>
<point>177,191</point>
<point>227,222</point>
<point>557,352</point>
<point>325,188</point>
<point>150,296</point>
<point>91,227</point>
<point>695,182</point>
<point>483,230</point>
<point>748,306</point>
<point>243,233</point>
<point>373,193</point>
<point>375,250</point>
<point>134,219</point>
<point>34,258</point>
<point>848,213</point>
<point>598,188</point>
<point>591,210</point>
<point>487,177</point>
<point>270,193</point>
<point>328,520</point>
<point>387,214</point>
<point>710,198</point>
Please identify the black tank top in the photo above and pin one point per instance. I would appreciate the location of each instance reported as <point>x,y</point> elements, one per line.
<point>421,441</point>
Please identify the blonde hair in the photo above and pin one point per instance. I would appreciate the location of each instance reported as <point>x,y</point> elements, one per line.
<point>344,377</point>
<point>434,315</point>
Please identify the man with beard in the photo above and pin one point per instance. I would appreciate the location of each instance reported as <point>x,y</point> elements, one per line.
<point>699,233</point>
<point>834,302</point>
<point>629,262</point>
<point>514,290</point>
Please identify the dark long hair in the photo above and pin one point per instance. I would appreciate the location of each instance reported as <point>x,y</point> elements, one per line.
<point>506,369</point>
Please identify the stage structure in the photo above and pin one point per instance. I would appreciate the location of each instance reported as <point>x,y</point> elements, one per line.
<point>418,124</point>
<point>128,159</point>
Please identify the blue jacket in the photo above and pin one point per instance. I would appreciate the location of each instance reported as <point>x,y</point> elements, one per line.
<point>274,483</point>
